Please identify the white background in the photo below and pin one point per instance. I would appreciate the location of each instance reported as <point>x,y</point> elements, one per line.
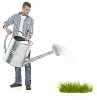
<point>70,23</point>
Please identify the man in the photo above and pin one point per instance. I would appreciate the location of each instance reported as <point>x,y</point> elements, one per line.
<point>24,23</point>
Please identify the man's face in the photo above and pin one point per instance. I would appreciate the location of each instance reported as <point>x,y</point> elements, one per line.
<point>26,10</point>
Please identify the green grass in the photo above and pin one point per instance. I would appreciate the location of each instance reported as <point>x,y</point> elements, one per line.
<point>74,87</point>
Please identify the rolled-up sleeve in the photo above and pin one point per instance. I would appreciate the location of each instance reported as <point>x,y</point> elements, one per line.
<point>31,28</point>
<point>10,21</point>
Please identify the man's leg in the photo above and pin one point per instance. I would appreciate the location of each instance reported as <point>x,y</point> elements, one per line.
<point>28,75</point>
<point>17,77</point>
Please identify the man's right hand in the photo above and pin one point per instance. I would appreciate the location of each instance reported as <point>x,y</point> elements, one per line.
<point>7,30</point>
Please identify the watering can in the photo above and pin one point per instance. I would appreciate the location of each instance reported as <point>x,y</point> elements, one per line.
<point>16,54</point>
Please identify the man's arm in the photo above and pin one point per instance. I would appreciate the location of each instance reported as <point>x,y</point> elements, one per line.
<point>30,31</point>
<point>10,21</point>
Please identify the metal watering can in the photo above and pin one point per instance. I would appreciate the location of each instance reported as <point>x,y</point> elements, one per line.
<point>18,50</point>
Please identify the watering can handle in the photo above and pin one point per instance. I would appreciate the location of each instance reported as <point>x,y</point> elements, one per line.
<point>5,42</point>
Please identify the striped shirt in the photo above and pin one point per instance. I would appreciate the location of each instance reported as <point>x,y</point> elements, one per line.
<point>15,21</point>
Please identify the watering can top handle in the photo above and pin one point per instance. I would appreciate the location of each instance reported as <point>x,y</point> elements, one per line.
<point>6,39</point>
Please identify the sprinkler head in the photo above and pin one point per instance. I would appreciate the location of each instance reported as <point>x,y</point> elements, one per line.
<point>56,49</point>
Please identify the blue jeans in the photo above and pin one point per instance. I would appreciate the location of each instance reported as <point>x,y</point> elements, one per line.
<point>18,78</point>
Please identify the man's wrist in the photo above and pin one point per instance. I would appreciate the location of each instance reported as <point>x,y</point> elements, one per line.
<point>4,26</point>
<point>29,36</point>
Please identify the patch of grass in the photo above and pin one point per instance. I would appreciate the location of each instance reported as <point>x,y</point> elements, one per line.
<point>74,87</point>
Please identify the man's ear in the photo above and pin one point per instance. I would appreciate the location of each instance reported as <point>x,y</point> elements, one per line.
<point>23,7</point>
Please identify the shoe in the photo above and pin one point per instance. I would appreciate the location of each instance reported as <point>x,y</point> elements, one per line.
<point>15,84</point>
<point>28,87</point>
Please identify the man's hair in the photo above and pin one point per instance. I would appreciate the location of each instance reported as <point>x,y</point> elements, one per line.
<point>26,4</point>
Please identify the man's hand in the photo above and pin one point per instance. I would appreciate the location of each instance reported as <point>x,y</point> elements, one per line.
<point>7,30</point>
<point>27,38</point>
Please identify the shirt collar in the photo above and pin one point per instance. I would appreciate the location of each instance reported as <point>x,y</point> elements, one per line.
<point>21,13</point>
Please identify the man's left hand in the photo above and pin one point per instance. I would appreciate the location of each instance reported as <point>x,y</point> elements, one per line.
<point>27,38</point>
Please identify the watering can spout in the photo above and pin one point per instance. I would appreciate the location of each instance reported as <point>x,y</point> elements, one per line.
<point>29,60</point>
<point>55,50</point>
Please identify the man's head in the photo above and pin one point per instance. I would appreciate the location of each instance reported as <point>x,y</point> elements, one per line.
<point>26,8</point>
